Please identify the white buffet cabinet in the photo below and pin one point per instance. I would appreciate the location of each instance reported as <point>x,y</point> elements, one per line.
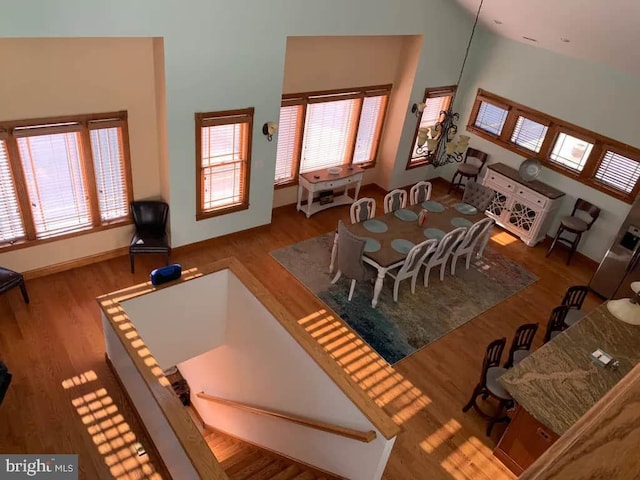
<point>321,180</point>
<point>526,209</point>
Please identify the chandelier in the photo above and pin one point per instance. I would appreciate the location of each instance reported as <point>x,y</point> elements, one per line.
<point>439,141</point>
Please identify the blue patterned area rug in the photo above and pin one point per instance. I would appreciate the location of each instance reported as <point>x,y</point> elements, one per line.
<point>396,330</point>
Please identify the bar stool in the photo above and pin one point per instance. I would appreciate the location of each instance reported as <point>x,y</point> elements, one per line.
<point>574,298</point>
<point>556,324</point>
<point>521,344</point>
<point>575,225</point>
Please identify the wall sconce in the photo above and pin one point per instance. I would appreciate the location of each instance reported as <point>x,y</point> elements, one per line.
<point>269,129</point>
<point>418,108</point>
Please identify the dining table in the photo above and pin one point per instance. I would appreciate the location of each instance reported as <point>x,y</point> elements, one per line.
<point>389,237</point>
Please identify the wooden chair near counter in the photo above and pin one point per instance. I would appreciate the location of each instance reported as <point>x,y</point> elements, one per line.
<point>582,217</point>
<point>574,298</point>
<point>395,200</point>
<point>521,344</point>
<point>490,387</point>
<point>556,324</point>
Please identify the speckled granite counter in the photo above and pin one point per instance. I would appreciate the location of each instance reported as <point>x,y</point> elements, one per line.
<point>558,382</point>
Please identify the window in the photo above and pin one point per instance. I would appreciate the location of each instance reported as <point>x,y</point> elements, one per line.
<point>436,101</point>
<point>585,156</point>
<point>223,157</point>
<point>325,129</point>
<point>59,176</point>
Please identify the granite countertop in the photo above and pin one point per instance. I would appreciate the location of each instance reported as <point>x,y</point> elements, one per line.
<point>559,382</point>
<point>535,185</point>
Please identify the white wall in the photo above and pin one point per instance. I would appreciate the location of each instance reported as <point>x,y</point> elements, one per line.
<point>589,95</point>
<point>182,321</point>
<point>261,364</point>
<point>221,55</point>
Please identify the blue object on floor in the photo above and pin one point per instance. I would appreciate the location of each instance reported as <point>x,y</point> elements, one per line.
<point>166,274</point>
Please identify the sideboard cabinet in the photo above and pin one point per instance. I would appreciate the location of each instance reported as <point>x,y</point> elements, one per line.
<point>526,209</point>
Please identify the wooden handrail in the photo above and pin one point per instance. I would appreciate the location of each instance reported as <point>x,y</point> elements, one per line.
<point>364,437</point>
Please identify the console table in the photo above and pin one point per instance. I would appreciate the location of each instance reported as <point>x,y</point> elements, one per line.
<point>322,180</point>
<point>523,208</point>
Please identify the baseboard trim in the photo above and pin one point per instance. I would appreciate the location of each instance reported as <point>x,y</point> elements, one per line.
<point>78,262</point>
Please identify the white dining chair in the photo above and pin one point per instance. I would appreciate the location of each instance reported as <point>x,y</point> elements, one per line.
<point>420,192</point>
<point>363,209</point>
<point>469,242</point>
<point>441,255</point>
<point>395,200</point>
<point>411,266</point>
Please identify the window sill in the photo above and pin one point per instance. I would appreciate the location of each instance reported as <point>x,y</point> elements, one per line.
<point>221,211</point>
<point>418,163</point>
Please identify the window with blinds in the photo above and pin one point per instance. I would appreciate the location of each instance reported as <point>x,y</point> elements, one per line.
<point>223,156</point>
<point>618,172</point>
<point>491,118</point>
<point>74,172</point>
<point>570,152</point>
<point>326,129</point>
<point>436,100</point>
<point>529,134</point>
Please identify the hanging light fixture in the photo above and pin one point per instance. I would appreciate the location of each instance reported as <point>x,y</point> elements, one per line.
<point>440,139</point>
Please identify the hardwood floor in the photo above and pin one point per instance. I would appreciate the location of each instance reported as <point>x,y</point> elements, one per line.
<point>64,399</point>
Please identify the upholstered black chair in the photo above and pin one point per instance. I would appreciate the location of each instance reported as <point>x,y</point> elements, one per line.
<point>574,298</point>
<point>150,218</point>
<point>490,387</point>
<point>556,324</point>
<point>470,168</point>
<point>5,380</point>
<point>584,214</point>
<point>10,279</point>
<point>521,344</point>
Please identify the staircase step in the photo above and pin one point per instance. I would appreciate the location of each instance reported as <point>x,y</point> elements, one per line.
<point>306,475</point>
<point>268,472</point>
<point>288,473</point>
<point>256,466</point>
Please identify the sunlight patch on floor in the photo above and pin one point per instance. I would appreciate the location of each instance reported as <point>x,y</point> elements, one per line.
<point>503,238</point>
<point>86,377</point>
<point>470,459</point>
<point>440,436</point>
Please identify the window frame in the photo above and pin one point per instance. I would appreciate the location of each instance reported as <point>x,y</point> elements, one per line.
<point>555,126</point>
<point>202,117</point>
<point>303,99</point>
<point>83,124</point>
<point>429,92</point>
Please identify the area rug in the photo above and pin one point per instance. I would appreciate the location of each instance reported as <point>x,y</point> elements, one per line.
<point>396,330</point>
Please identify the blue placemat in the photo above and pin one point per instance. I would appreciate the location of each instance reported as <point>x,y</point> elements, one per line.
<point>433,206</point>
<point>433,233</point>
<point>401,245</point>
<point>371,245</point>
<point>465,208</point>
<point>375,226</point>
<point>406,215</point>
<point>461,222</point>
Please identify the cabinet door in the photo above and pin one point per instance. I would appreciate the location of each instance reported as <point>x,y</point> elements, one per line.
<point>523,218</point>
<point>498,205</point>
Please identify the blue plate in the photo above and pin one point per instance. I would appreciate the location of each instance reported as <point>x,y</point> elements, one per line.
<point>406,215</point>
<point>401,245</point>
<point>433,233</point>
<point>375,226</point>
<point>371,245</point>
<point>461,222</point>
<point>465,208</point>
<point>432,206</point>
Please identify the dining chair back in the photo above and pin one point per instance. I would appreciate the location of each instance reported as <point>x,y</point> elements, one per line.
<point>442,253</point>
<point>478,195</point>
<point>420,192</point>
<point>395,200</point>
<point>469,242</point>
<point>363,209</point>
<point>521,344</point>
<point>411,266</point>
<point>556,324</point>
<point>350,264</point>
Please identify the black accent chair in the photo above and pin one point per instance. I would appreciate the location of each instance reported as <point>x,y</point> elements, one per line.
<point>490,387</point>
<point>150,238</point>
<point>521,344</point>
<point>575,225</point>
<point>556,323</point>
<point>574,298</point>
<point>10,279</point>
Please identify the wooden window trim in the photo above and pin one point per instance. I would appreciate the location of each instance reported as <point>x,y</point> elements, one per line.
<point>555,126</point>
<point>207,119</point>
<point>82,123</point>
<point>430,92</point>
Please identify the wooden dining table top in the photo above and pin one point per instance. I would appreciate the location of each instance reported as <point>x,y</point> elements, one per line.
<point>408,230</point>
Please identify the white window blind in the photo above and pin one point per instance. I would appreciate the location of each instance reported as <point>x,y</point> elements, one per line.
<point>369,129</point>
<point>224,165</point>
<point>529,134</point>
<point>432,110</point>
<point>491,118</point>
<point>11,226</point>
<point>328,128</point>
<point>571,152</point>
<point>618,172</point>
<point>288,139</point>
<point>109,168</point>
<point>55,183</point>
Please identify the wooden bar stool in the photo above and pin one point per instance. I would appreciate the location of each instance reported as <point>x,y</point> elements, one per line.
<point>575,225</point>
<point>470,168</point>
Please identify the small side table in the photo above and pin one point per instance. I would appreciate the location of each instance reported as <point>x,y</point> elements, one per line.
<point>322,180</point>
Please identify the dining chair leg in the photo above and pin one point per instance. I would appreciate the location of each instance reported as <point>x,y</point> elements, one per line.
<point>337,277</point>
<point>454,260</point>
<point>396,287</point>
<point>426,276</point>
<point>334,252</point>
<point>443,267</point>
<point>468,262</point>
<point>353,287</point>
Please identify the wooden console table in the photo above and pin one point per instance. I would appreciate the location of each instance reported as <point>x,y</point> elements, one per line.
<point>322,180</point>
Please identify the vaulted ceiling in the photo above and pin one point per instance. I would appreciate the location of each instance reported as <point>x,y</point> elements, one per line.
<point>601,31</point>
